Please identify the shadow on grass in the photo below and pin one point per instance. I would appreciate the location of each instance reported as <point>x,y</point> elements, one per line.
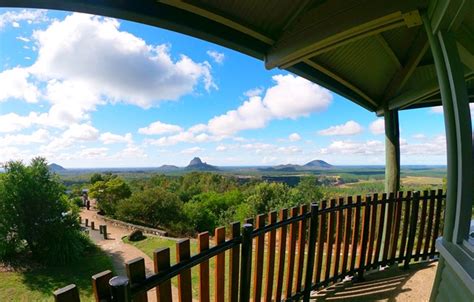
<point>46,279</point>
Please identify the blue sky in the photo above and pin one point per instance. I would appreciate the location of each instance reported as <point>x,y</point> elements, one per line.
<point>88,91</point>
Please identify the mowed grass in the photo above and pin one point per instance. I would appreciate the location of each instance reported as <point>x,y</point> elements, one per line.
<point>38,284</point>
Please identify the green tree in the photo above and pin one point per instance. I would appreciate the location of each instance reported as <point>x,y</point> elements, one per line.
<point>308,190</point>
<point>153,207</point>
<point>96,177</point>
<point>35,214</point>
<point>109,192</point>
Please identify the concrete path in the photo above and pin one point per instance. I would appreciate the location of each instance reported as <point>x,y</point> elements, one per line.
<point>119,251</point>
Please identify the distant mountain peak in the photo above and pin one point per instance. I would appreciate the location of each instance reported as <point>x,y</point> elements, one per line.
<point>198,165</point>
<point>195,161</point>
<point>55,167</point>
<point>318,163</point>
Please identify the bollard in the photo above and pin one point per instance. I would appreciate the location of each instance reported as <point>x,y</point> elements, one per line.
<point>87,222</point>
<point>101,229</point>
<point>104,231</point>
<point>92,225</point>
<point>120,289</point>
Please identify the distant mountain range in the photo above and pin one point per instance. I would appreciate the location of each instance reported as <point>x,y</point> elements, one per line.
<point>56,168</point>
<point>312,165</point>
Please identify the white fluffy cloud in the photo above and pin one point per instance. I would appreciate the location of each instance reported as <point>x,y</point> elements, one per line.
<point>218,57</point>
<point>348,128</point>
<point>370,147</point>
<point>37,137</point>
<point>291,97</point>
<point>28,15</point>
<point>114,63</point>
<point>159,128</point>
<point>439,109</point>
<point>14,84</point>
<point>192,150</point>
<point>110,138</point>
<point>294,137</point>
<point>377,126</point>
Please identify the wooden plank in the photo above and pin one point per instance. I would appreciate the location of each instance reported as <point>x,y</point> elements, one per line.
<point>406,223</point>
<point>135,269</point>
<point>234,264</point>
<point>311,252</point>
<point>355,233</point>
<point>364,237</point>
<point>396,228</point>
<point>272,219</point>
<point>246,267</point>
<point>203,245</point>
<point>321,239</point>
<point>347,235</point>
<point>330,241</point>
<point>219,277</point>
<point>161,261</point>
<point>258,264</point>
<point>413,227</point>
<point>339,224</point>
<point>421,225</point>
<point>68,293</point>
<point>429,228</point>
<point>373,230</point>
<point>439,199</point>
<point>100,286</point>
<point>291,254</point>
<point>183,253</point>
<point>381,226</point>
<point>301,249</point>
<point>281,258</point>
<point>388,227</point>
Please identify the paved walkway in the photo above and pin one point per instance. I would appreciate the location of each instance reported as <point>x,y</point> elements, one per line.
<point>119,251</point>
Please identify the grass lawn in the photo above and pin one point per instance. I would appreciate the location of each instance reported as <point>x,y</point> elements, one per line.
<point>38,284</point>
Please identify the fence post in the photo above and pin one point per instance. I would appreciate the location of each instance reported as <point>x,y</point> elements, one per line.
<point>101,229</point>
<point>80,220</point>
<point>120,289</point>
<point>69,293</point>
<point>311,251</point>
<point>87,222</point>
<point>161,259</point>
<point>246,266</point>
<point>413,224</point>
<point>104,231</point>
<point>136,273</point>
<point>92,225</point>
<point>100,286</point>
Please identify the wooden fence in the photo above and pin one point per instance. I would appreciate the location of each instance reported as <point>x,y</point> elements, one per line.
<point>305,249</point>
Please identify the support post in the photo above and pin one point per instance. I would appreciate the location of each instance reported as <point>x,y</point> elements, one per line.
<point>392,151</point>
<point>246,265</point>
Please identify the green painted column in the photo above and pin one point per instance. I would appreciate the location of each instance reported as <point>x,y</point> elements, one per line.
<point>392,151</point>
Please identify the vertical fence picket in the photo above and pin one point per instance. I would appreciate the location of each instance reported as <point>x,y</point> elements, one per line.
<point>311,251</point>
<point>373,229</point>
<point>301,248</point>
<point>339,224</point>
<point>219,276</point>
<point>329,242</point>
<point>413,227</point>
<point>406,223</point>
<point>270,261</point>
<point>396,227</point>
<point>429,228</point>
<point>347,235</point>
<point>161,261</point>
<point>364,238</point>
<point>291,254</point>
<point>136,273</point>
<point>388,227</point>
<point>234,260</point>
<point>381,225</point>
<point>321,239</point>
<point>281,258</point>
<point>439,199</point>
<point>246,266</point>
<point>68,293</point>
<point>100,286</point>
<point>183,253</point>
<point>355,233</point>
<point>258,264</point>
<point>203,245</point>
<point>419,241</point>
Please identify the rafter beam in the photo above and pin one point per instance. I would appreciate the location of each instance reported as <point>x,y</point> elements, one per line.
<point>467,58</point>
<point>342,25</point>
<point>448,14</point>
<point>388,50</point>
<point>341,80</point>
<point>417,51</point>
